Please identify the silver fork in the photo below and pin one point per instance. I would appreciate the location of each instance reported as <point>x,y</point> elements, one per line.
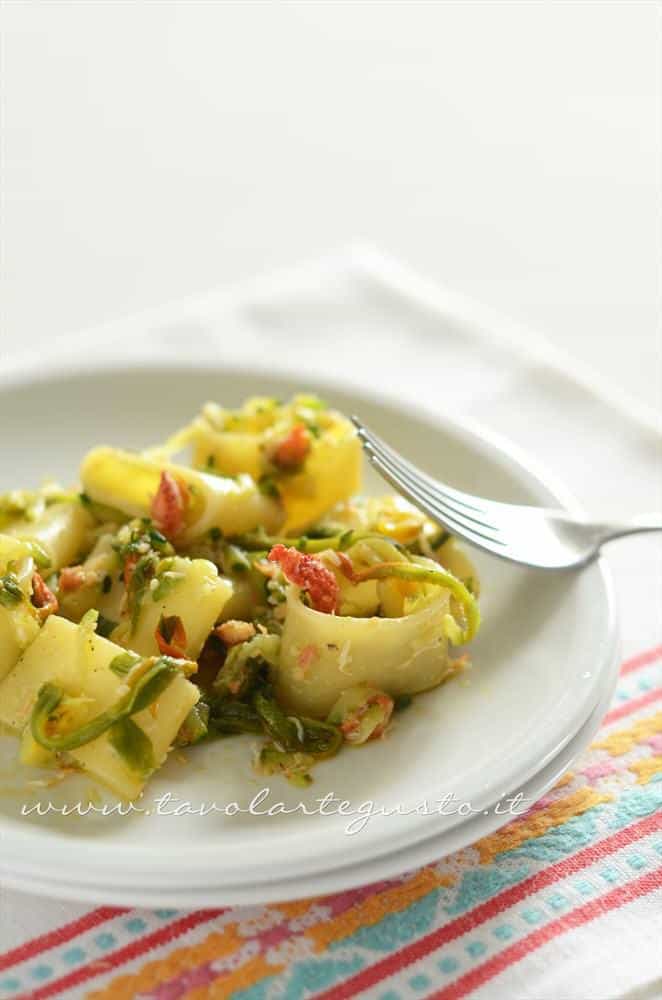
<point>532,536</point>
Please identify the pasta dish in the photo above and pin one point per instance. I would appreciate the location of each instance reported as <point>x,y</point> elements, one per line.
<point>232,580</point>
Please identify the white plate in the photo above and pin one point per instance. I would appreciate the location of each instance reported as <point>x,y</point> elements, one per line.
<point>338,879</point>
<point>547,642</point>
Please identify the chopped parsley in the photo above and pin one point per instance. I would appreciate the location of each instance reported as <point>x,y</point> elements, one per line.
<point>10,591</point>
<point>267,486</point>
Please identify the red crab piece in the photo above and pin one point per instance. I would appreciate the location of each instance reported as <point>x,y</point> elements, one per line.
<point>169,505</point>
<point>43,597</point>
<point>71,578</point>
<point>353,723</point>
<point>292,450</point>
<point>170,637</point>
<point>311,575</point>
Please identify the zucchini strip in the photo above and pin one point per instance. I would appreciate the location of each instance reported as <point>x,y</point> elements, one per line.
<point>146,690</point>
<point>423,574</point>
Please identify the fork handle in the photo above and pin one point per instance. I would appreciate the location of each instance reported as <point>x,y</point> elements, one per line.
<point>643,522</point>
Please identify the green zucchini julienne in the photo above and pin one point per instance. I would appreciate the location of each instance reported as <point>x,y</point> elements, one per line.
<point>293,765</point>
<point>41,558</point>
<point>228,716</point>
<point>195,726</point>
<point>140,580</point>
<point>419,573</point>
<point>123,662</point>
<point>290,732</point>
<point>244,663</point>
<point>259,541</point>
<point>361,712</point>
<point>167,579</point>
<point>282,729</point>
<point>133,745</point>
<point>146,690</point>
<point>315,741</point>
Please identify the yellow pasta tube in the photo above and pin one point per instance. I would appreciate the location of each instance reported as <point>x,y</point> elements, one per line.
<point>101,586</point>
<point>309,453</point>
<point>130,482</point>
<point>79,661</point>
<point>324,654</point>
<point>62,531</point>
<point>19,623</point>
<point>191,590</point>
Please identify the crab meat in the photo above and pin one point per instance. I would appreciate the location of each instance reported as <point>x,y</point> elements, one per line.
<point>72,578</point>
<point>311,575</point>
<point>43,597</point>
<point>292,450</point>
<point>169,505</point>
<point>170,637</point>
<point>234,632</point>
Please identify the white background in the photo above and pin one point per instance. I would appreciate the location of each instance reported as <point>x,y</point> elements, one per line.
<point>509,150</point>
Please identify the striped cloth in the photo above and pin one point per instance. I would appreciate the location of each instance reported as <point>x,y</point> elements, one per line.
<point>590,848</point>
<point>565,902</point>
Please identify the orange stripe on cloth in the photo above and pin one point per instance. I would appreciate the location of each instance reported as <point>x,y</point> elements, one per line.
<point>537,823</point>
<point>227,942</point>
<point>375,908</point>
<point>230,983</point>
<point>296,907</point>
<point>625,740</point>
<point>327,931</point>
<point>646,768</point>
<point>217,945</point>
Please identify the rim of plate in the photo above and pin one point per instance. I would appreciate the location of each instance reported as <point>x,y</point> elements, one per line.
<point>23,847</point>
<point>433,848</point>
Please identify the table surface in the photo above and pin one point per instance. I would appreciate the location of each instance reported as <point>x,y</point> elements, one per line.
<point>510,150</point>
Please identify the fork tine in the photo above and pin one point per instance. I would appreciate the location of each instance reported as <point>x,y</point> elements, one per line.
<point>409,474</point>
<point>430,487</point>
<point>435,510</point>
<point>369,437</point>
<point>425,486</point>
<point>422,490</point>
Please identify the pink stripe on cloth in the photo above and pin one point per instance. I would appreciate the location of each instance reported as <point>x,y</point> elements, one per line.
<point>61,935</point>
<point>599,770</point>
<point>655,742</point>
<point>632,706</point>
<point>203,975</point>
<point>641,660</point>
<point>163,936</point>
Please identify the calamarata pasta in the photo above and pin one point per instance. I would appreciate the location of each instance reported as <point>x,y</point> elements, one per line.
<point>231,580</point>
